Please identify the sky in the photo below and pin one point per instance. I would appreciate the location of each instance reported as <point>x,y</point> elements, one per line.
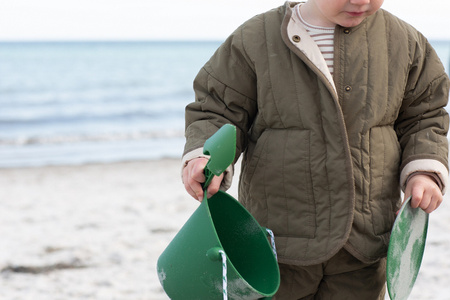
<point>171,19</point>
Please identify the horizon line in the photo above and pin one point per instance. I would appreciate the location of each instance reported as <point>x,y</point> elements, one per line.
<point>139,40</point>
<point>109,40</point>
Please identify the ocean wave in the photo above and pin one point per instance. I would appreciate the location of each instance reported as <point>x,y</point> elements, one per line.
<point>100,94</point>
<point>100,137</point>
<point>26,118</point>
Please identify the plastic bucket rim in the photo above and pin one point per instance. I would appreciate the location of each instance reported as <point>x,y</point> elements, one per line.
<point>263,233</point>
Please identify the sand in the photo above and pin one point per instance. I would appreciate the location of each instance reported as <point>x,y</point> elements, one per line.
<point>96,231</point>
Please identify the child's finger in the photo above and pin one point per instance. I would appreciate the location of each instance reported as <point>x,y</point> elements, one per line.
<point>196,188</point>
<point>416,199</point>
<point>193,176</point>
<point>193,188</point>
<point>439,200</point>
<point>197,170</point>
<point>214,186</point>
<point>406,196</point>
<point>192,193</point>
<point>434,203</point>
<point>425,202</point>
<point>431,207</point>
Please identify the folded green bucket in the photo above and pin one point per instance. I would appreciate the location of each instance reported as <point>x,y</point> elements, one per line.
<point>221,235</point>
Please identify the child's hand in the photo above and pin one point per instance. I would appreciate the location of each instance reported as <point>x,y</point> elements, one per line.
<point>193,177</point>
<point>425,193</point>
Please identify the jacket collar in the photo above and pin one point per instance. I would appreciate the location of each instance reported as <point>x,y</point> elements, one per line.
<point>298,40</point>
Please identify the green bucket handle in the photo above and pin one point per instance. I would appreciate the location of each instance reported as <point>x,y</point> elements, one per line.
<point>217,253</point>
<point>221,147</point>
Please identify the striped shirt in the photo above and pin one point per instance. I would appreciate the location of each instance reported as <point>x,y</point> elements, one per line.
<point>324,38</point>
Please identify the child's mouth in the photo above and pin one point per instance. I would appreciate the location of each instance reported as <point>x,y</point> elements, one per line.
<point>355,14</point>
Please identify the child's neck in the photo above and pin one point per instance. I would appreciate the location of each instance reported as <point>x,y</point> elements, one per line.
<point>311,14</point>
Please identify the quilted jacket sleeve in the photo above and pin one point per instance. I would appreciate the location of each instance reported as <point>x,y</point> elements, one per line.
<point>225,92</point>
<point>423,121</point>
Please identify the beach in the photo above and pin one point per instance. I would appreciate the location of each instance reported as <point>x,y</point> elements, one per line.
<point>88,232</point>
<point>95,231</point>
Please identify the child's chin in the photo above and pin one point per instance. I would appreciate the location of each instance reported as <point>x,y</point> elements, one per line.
<point>352,22</point>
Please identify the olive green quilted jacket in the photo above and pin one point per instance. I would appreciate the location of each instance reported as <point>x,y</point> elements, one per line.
<point>323,155</point>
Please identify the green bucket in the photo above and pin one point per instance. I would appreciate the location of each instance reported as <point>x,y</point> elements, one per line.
<point>191,267</point>
<point>220,237</point>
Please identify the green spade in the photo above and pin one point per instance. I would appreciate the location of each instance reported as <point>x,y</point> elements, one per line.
<point>405,250</point>
<point>221,147</point>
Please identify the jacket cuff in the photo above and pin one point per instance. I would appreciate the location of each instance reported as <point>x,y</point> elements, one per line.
<point>434,168</point>
<point>197,153</point>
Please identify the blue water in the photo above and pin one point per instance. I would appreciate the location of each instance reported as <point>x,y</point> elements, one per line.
<point>81,102</point>
<point>71,103</point>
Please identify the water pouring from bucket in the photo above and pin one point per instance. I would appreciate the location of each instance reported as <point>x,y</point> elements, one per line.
<point>221,252</point>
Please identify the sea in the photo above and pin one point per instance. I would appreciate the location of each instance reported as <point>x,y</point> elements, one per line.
<point>69,103</point>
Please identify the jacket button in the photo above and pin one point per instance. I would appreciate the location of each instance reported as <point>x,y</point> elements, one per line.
<point>346,31</point>
<point>296,38</point>
<point>348,88</point>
